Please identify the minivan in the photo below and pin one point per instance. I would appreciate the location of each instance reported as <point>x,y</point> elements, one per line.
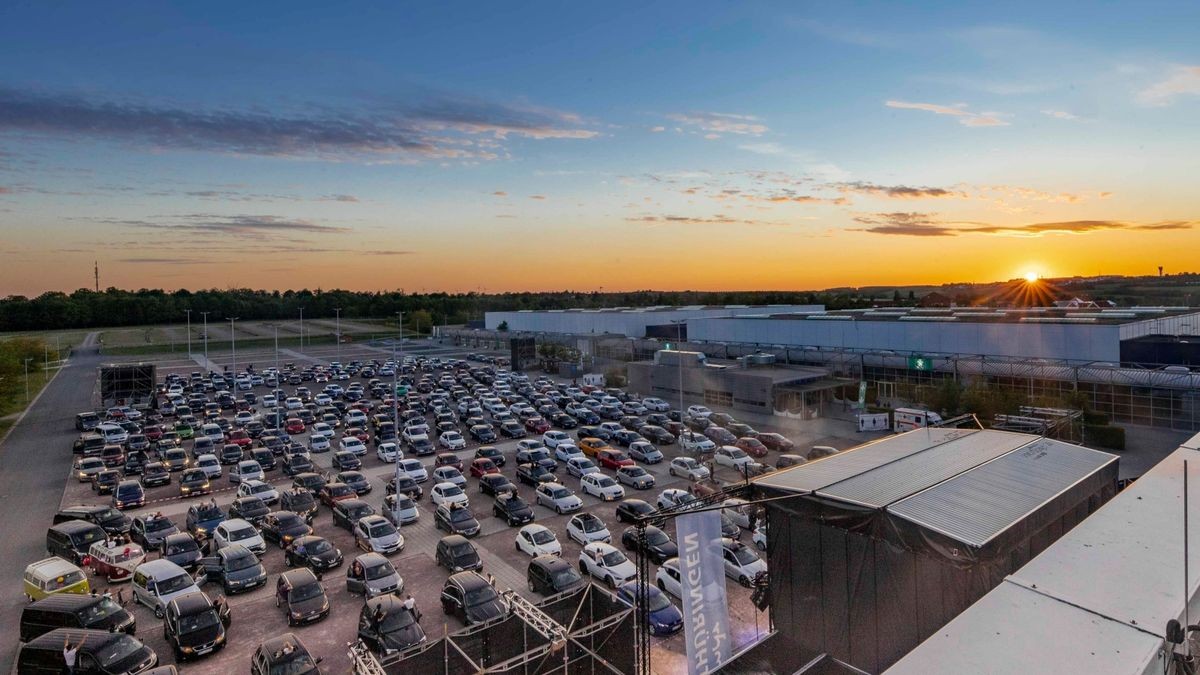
<point>74,610</point>
<point>100,652</point>
<point>71,540</point>
<point>86,421</point>
<point>158,582</point>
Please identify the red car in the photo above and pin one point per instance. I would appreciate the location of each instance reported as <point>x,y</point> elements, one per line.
<point>537,425</point>
<point>752,447</point>
<point>294,425</point>
<point>240,438</point>
<point>153,433</point>
<point>614,459</point>
<point>359,433</point>
<point>775,441</point>
<point>335,492</point>
<point>448,459</point>
<point>482,466</point>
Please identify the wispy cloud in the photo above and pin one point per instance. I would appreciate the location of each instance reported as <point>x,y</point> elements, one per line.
<point>914,224</point>
<point>1060,114</point>
<point>374,134</point>
<point>958,110</point>
<point>538,197</point>
<point>721,123</point>
<point>899,191</point>
<point>1180,81</point>
<point>718,219</point>
<point>499,193</point>
<point>247,226</point>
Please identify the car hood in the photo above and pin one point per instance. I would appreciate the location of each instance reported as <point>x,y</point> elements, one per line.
<point>185,558</point>
<point>326,558</point>
<point>389,582</point>
<point>256,572</point>
<point>667,550</point>
<point>307,606</point>
<point>485,611</point>
<point>202,636</point>
<point>403,638</point>
<point>667,616</point>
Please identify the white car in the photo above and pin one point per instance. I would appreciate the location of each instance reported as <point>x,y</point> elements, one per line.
<point>581,466</point>
<point>377,534</point>
<point>323,400</point>
<point>534,540</point>
<point>728,455</point>
<point>586,528</point>
<point>210,464</point>
<point>411,434</point>
<point>321,429</point>
<point>564,451</point>
<point>760,536</point>
<point>656,405</point>
<point>551,439</point>
<point>599,485</point>
<point>269,401</point>
<point>243,418</point>
<point>258,488</point>
<point>445,494</point>
<point>609,428</point>
<point>698,411</point>
<point>352,444</point>
<point>414,469</point>
<point>319,444</point>
<point>607,564</point>
<point>213,432</point>
<point>633,408</point>
<point>247,469</point>
<point>293,403</point>
<point>742,564</point>
<point>695,443</point>
<point>557,497</point>
<point>354,416</point>
<point>668,578</point>
<point>686,467</point>
<point>452,440</point>
<point>449,474</point>
<point>389,452</point>
<point>672,497</point>
<point>238,531</point>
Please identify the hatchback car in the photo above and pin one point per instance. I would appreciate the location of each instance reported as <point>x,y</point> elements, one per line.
<point>535,540</point>
<point>469,596</point>
<point>372,575</point>
<point>457,554</point>
<point>557,497</point>
<point>302,597</point>
<point>665,617</point>
<point>445,494</point>
<point>635,477</point>
<point>601,486</point>
<point>658,546</point>
<point>514,510</point>
<point>313,552</point>
<point>689,468</point>
<point>456,519</point>
<point>376,534</point>
<point>742,563</point>
<point>550,574</point>
<point>586,528</point>
<point>128,494</point>
<point>606,563</point>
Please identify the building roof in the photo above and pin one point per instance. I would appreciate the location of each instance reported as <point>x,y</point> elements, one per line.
<point>1102,594</point>
<point>976,506</point>
<point>1083,315</point>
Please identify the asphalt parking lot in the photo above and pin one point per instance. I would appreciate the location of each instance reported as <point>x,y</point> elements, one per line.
<point>255,615</point>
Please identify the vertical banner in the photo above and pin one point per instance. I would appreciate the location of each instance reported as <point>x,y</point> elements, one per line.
<point>702,575</point>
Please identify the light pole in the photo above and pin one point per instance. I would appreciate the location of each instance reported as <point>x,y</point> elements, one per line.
<point>205,315</point>
<point>233,344</point>
<point>189,331</point>
<point>396,400</point>
<point>337,331</point>
<point>27,379</point>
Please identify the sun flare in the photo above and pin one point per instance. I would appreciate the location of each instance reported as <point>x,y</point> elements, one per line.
<point>1032,276</point>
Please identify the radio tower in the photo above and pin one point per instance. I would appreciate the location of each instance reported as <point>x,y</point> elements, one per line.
<point>96,271</point>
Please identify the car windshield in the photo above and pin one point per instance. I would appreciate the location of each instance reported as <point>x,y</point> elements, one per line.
<point>543,537</point>
<point>394,621</point>
<point>380,571</point>
<point>195,622</point>
<point>635,471</point>
<point>515,504</point>
<point>289,521</point>
<point>183,545</point>
<point>117,651</point>
<point>460,515</point>
<point>656,537</point>
<point>464,553</point>
<point>451,491</point>
<point>565,577</point>
<point>244,561</point>
<point>305,592</point>
<point>318,546</point>
<point>208,513</point>
<point>478,596</point>
<point>64,580</point>
<point>744,555</point>
<point>560,493</point>
<point>244,533</point>
<point>605,481</point>
<point>158,525</point>
<point>174,584</point>
<point>736,454</point>
<point>613,558</point>
<point>658,601</point>
<point>99,611</point>
<point>382,529</point>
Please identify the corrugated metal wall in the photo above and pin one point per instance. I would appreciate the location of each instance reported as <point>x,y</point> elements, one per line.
<point>630,323</point>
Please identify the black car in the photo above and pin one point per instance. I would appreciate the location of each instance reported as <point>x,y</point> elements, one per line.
<point>344,460</point>
<point>313,482</point>
<point>294,465</point>
<point>534,474</point>
<point>386,626</point>
<point>562,420</point>
<point>282,527</point>
<point>512,429</point>
<point>264,457</point>
<point>128,494</point>
<point>512,509</point>
<point>313,552</point>
<point>283,654</point>
<point>112,520</point>
<point>149,531</point>
<point>422,446</point>
<point>591,432</point>
<point>134,461</point>
<point>630,510</point>
<point>356,480</point>
<point>105,481</point>
<point>236,568</point>
<point>194,482</point>
<point>657,434</point>
<point>302,597</point>
<point>155,474</point>
<point>230,454</point>
<point>472,599</point>
<point>586,416</point>
<point>658,545</point>
<point>484,433</point>
<point>457,554</point>
<point>456,520</point>
<point>182,549</point>
<point>496,484</point>
<point>492,453</point>
<point>405,486</point>
<point>193,627</point>
<point>346,512</point>
<point>250,509</point>
<point>550,574</point>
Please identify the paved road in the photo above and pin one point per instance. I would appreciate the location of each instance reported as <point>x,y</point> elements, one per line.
<point>33,463</point>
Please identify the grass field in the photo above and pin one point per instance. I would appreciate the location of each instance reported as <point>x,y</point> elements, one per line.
<point>14,402</point>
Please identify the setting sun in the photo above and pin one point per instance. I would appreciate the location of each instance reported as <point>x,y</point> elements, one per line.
<point>1031,277</point>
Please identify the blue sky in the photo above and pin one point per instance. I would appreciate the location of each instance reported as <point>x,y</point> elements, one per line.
<point>681,145</point>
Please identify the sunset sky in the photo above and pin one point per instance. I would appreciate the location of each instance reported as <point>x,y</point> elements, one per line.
<point>545,146</point>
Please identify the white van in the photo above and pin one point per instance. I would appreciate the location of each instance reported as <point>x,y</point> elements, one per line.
<point>907,419</point>
<point>158,582</point>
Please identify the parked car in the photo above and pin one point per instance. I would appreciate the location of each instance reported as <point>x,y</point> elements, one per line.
<point>536,540</point>
<point>635,477</point>
<point>557,497</point>
<point>605,563</point>
<point>302,597</point>
<point>470,597</point>
<point>689,468</point>
<point>372,575</point>
<point>514,510</point>
<point>601,486</point>
<point>457,554</point>
<point>550,574</point>
<point>586,528</point>
<point>657,545</point>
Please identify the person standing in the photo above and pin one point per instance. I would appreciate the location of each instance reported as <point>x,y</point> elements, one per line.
<point>70,653</point>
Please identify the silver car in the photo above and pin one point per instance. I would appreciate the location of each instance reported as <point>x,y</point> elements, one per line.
<point>558,498</point>
<point>378,535</point>
<point>373,575</point>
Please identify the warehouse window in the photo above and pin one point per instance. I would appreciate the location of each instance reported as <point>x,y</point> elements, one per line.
<point>714,397</point>
<point>746,401</point>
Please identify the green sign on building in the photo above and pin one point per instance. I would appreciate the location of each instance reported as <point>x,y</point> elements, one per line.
<point>918,362</point>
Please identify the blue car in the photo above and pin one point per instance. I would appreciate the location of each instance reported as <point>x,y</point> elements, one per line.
<point>665,618</point>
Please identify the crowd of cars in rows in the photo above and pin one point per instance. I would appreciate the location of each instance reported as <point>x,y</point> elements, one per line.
<point>403,410</point>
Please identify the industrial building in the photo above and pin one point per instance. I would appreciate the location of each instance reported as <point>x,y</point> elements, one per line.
<point>1096,601</point>
<point>885,544</point>
<point>662,321</point>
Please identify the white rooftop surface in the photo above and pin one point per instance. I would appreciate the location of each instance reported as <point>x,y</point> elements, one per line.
<point>1122,565</point>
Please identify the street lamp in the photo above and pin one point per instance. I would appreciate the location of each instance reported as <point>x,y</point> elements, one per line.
<point>233,344</point>
<point>337,331</point>
<point>206,364</point>
<point>189,331</point>
<point>396,400</point>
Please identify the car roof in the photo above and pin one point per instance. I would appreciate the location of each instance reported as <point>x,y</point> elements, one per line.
<point>454,540</point>
<point>467,580</point>
<point>160,567</point>
<point>190,603</point>
<point>372,558</point>
<point>72,526</point>
<point>550,563</point>
<point>298,576</point>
